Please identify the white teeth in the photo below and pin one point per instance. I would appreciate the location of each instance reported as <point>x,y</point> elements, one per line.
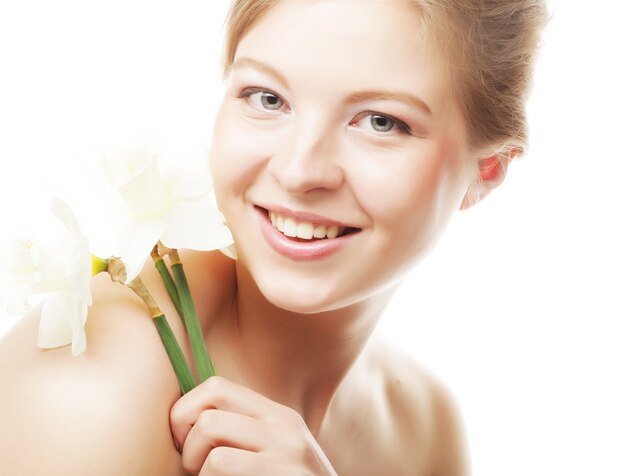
<point>280,223</point>
<point>319,231</point>
<point>291,228</point>
<point>332,232</point>
<point>304,230</point>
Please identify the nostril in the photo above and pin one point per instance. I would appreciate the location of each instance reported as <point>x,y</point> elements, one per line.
<point>306,169</point>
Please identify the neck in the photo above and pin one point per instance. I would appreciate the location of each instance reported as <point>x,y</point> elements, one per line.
<point>297,360</point>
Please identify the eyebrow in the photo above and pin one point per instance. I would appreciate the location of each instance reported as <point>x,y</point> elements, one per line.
<point>267,69</point>
<point>358,96</point>
<point>384,95</point>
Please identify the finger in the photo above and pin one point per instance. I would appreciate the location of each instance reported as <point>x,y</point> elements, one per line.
<point>220,393</point>
<point>218,428</point>
<point>226,461</point>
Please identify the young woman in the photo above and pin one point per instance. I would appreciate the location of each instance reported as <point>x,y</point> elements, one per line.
<point>350,132</point>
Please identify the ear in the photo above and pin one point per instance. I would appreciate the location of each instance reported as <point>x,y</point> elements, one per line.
<point>491,173</point>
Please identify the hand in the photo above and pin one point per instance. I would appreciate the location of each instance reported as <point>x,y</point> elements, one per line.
<point>223,428</point>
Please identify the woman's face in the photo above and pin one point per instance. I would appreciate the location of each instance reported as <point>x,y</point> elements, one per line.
<point>337,123</point>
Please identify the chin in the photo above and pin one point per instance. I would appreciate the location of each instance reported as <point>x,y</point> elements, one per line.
<point>298,299</point>
<point>301,297</point>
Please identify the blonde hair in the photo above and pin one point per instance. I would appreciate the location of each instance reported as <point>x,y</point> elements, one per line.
<point>489,47</point>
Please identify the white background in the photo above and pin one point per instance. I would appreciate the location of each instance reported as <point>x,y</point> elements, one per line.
<point>521,307</point>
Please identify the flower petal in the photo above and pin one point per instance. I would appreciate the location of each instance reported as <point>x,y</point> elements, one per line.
<point>137,239</point>
<point>105,216</point>
<point>79,338</point>
<point>128,154</point>
<point>195,225</point>
<point>52,265</point>
<point>146,195</point>
<point>79,273</point>
<point>57,318</point>
<point>62,322</point>
<point>186,169</point>
<point>62,211</point>
<point>230,251</point>
<point>19,273</point>
<point>15,300</point>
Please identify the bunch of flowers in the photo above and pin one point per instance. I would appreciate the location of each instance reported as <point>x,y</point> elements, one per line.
<point>157,200</point>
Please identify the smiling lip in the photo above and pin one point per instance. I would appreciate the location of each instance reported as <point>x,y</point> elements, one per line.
<point>303,216</point>
<point>299,249</point>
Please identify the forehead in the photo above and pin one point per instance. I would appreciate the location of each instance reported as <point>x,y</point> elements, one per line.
<point>347,45</point>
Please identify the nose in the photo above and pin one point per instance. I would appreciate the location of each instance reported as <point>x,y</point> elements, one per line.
<point>309,161</point>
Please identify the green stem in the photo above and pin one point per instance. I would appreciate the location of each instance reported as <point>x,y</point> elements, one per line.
<point>204,366</point>
<point>169,285</point>
<point>117,270</point>
<point>174,352</point>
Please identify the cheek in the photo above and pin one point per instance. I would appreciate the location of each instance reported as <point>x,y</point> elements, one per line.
<point>236,153</point>
<point>413,195</point>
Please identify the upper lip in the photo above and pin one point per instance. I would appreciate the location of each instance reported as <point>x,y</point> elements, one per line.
<point>301,216</point>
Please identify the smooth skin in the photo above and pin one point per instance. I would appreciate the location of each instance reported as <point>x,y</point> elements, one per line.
<point>107,412</point>
<point>306,386</point>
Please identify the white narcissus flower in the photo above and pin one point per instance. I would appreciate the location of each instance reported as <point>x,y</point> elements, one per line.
<point>59,268</point>
<point>166,196</point>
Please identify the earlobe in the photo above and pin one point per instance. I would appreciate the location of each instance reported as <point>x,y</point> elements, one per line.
<point>491,173</point>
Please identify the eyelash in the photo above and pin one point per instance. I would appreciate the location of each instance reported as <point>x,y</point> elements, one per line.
<point>247,92</point>
<point>401,126</point>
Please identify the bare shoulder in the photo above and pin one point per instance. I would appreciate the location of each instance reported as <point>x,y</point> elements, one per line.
<point>422,412</point>
<point>391,416</point>
<point>105,412</point>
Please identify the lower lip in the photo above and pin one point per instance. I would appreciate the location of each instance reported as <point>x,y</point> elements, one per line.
<point>300,250</point>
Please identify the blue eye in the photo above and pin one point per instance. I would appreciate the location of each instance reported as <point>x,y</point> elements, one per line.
<point>382,123</point>
<point>262,99</point>
<point>270,101</point>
